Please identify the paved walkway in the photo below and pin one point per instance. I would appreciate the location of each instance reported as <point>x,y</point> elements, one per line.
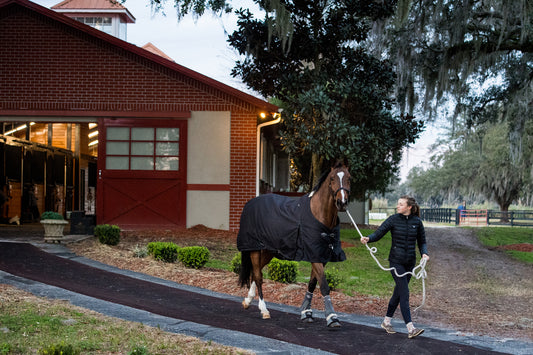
<point>364,328</point>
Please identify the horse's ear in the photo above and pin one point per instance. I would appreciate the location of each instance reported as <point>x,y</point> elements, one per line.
<point>340,162</point>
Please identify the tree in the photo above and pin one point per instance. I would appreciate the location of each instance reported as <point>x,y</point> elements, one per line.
<point>481,165</point>
<point>499,177</point>
<point>336,96</point>
<point>474,51</point>
<point>447,46</point>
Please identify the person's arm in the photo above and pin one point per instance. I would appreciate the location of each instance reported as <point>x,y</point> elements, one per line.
<point>379,233</point>
<point>421,241</point>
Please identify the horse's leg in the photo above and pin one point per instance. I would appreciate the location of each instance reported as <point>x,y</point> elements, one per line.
<point>250,297</point>
<point>259,260</point>
<point>245,276</point>
<point>306,312</point>
<point>331,318</point>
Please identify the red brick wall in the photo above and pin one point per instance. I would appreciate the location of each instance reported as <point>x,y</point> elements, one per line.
<point>243,164</point>
<point>49,66</point>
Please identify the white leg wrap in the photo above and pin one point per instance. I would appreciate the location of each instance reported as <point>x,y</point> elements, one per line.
<point>251,295</point>
<point>331,316</point>
<point>263,309</point>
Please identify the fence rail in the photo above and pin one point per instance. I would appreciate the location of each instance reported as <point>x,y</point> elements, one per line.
<point>478,217</point>
<point>439,215</point>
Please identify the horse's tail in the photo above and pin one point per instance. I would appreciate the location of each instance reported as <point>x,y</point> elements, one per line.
<point>246,269</point>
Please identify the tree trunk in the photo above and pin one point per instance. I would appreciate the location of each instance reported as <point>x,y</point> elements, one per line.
<point>504,208</point>
<point>316,168</point>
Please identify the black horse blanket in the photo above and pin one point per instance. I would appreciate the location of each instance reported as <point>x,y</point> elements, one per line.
<point>286,227</point>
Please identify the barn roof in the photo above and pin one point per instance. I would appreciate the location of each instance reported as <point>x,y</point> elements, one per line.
<point>94,6</point>
<point>180,69</point>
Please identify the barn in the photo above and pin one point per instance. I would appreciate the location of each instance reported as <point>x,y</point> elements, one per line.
<point>92,124</point>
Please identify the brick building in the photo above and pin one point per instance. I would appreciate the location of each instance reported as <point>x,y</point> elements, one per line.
<point>93,123</point>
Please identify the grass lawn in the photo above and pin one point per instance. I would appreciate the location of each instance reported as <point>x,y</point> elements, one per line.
<point>33,325</point>
<point>501,236</point>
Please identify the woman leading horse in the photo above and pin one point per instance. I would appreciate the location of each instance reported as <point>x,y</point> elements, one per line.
<point>295,229</point>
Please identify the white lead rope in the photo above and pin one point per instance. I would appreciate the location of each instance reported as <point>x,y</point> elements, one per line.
<point>421,274</point>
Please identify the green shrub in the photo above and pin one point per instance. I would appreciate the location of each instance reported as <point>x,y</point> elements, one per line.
<point>236,263</point>
<point>164,251</point>
<point>51,215</point>
<point>333,277</point>
<point>140,251</point>
<point>283,270</point>
<point>194,257</point>
<point>107,234</point>
<point>59,349</point>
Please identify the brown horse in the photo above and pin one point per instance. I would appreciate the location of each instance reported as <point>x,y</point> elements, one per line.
<point>295,229</point>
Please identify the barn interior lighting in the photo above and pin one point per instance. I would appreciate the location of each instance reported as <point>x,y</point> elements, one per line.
<point>92,125</point>
<point>93,143</point>
<point>92,134</point>
<point>19,128</point>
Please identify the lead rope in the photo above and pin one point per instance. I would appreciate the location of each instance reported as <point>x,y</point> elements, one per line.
<point>421,274</point>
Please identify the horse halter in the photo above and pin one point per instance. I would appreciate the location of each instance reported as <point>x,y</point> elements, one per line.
<point>340,175</point>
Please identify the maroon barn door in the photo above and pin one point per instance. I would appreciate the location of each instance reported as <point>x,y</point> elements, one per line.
<point>142,174</point>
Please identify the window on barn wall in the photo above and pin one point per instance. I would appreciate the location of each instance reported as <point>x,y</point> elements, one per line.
<point>142,148</point>
<point>104,24</point>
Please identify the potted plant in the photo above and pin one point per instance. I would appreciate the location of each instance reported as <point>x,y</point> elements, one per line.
<point>53,224</point>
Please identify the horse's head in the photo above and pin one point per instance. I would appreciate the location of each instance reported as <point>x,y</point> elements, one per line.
<point>339,183</point>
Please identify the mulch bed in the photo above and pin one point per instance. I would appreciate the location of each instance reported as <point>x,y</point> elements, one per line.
<point>527,247</point>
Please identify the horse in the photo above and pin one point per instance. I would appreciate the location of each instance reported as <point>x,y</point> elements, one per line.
<point>306,229</point>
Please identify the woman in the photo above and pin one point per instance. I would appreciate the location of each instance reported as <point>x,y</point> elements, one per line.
<point>407,230</point>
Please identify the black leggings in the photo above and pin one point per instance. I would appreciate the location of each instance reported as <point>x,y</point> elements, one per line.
<point>401,292</point>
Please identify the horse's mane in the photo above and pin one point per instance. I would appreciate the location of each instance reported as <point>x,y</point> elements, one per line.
<point>324,175</point>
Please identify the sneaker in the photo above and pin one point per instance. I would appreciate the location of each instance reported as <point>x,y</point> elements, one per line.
<point>415,332</point>
<point>388,328</point>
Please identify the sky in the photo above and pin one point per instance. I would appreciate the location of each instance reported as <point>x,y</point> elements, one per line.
<point>201,45</point>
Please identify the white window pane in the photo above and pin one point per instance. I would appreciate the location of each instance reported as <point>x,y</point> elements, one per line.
<point>167,149</point>
<point>142,148</point>
<point>117,163</point>
<point>142,134</point>
<point>170,163</point>
<point>117,148</point>
<point>142,163</point>
<point>168,134</point>
<point>118,133</point>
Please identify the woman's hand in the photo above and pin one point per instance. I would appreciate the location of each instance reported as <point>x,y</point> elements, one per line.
<point>425,256</point>
<point>364,240</point>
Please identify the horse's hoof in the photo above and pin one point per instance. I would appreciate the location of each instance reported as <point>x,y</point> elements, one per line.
<point>334,325</point>
<point>266,315</point>
<point>307,317</point>
<point>245,305</point>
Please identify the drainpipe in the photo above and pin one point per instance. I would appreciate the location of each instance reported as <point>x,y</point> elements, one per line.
<point>258,151</point>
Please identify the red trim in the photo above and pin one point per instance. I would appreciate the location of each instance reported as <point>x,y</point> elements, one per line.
<point>126,114</point>
<point>208,187</point>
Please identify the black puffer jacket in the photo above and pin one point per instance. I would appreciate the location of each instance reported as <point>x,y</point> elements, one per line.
<point>406,231</point>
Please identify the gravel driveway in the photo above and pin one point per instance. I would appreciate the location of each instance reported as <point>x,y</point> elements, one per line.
<point>475,288</point>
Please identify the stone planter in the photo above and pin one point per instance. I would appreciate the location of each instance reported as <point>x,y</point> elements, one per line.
<point>53,229</point>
